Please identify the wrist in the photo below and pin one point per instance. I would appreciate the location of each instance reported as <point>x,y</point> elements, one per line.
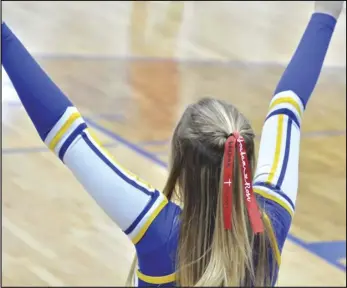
<point>324,18</point>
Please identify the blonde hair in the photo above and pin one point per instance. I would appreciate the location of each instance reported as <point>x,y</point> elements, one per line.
<point>209,255</point>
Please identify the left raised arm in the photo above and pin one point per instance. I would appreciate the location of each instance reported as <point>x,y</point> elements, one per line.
<point>128,201</point>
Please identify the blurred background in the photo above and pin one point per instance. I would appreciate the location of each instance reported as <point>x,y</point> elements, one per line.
<point>131,68</point>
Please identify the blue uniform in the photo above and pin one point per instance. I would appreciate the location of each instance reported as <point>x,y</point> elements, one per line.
<point>142,212</point>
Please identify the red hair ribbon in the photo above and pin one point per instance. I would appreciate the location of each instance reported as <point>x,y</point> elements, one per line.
<point>235,140</point>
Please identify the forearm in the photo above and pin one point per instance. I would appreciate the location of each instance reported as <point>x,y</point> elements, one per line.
<point>302,72</point>
<point>41,98</point>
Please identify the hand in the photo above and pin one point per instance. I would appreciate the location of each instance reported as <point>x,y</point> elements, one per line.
<point>332,8</point>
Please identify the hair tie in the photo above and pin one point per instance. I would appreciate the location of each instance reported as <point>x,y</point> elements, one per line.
<point>235,134</point>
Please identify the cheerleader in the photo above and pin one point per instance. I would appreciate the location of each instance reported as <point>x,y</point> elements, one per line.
<point>232,218</point>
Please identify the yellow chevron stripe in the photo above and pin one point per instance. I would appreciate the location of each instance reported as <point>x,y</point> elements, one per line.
<point>63,130</point>
<point>149,221</point>
<point>275,199</point>
<point>288,100</point>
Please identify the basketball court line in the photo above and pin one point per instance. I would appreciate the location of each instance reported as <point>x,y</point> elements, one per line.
<point>120,118</point>
<point>309,134</point>
<point>307,246</point>
<point>330,251</point>
<point>311,247</point>
<point>156,143</point>
<point>41,149</point>
<point>182,60</point>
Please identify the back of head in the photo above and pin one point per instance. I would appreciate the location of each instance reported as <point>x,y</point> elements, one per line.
<point>208,254</point>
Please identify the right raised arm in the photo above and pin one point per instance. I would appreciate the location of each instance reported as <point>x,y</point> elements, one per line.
<point>131,203</point>
<point>276,178</point>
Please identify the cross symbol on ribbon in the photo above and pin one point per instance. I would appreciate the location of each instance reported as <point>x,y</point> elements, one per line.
<point>229,182</point>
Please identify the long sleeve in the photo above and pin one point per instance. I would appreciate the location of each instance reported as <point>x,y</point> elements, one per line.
<point>277,175</point>
<point>130,202</point>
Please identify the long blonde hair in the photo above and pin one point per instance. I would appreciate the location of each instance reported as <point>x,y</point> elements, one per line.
<point>209,255</point>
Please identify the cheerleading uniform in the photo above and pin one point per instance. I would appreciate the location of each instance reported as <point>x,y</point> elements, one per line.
<point>143,213</point>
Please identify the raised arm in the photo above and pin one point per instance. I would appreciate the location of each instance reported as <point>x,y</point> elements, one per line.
<point>131,203</point>
<point>276,177</point>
